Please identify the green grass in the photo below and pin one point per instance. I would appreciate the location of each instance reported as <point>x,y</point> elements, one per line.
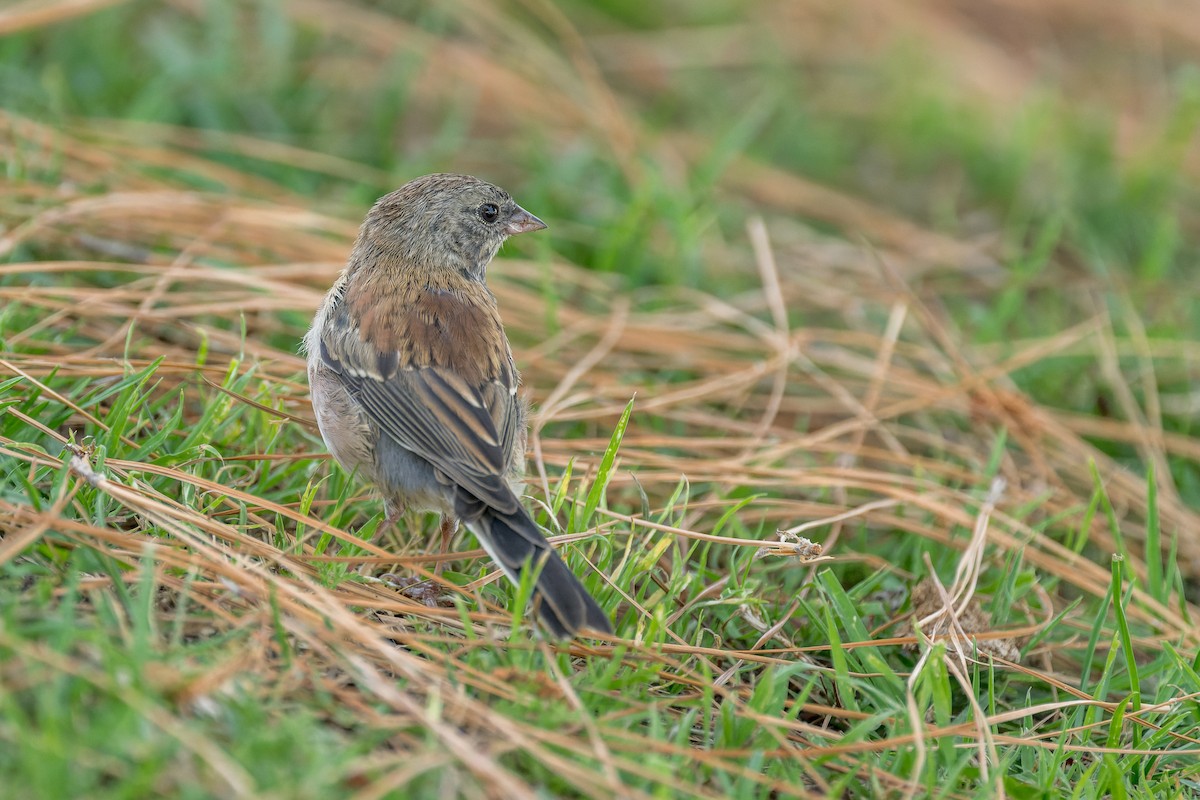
<point>191,607</point>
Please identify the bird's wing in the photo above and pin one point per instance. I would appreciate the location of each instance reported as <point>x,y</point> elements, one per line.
<point>434,400</point>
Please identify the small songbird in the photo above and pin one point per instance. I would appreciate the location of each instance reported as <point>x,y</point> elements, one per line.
<point>413,381</point>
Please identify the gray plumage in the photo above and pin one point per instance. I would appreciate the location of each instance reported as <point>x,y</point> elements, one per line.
<point>414,385</point>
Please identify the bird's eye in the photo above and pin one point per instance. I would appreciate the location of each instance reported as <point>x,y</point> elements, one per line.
<point>489,212</point>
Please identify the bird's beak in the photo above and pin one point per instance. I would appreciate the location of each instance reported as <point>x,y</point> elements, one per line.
<point>522,221</point>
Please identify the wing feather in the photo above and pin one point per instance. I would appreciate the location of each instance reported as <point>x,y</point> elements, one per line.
<point>436,377</point>
<point>442,419</point>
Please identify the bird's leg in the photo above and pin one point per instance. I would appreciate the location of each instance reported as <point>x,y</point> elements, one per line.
<point>393,512</point>
<point>389,529</point>
<point>447,529</point>
<point>427,592</point>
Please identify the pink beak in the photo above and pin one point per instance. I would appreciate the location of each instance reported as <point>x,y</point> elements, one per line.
<point>522,221</point>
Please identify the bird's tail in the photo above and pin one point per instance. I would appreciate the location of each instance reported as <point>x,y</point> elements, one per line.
<point>514,542</point>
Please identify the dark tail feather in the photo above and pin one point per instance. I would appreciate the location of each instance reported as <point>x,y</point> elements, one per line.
<point>513,540</point>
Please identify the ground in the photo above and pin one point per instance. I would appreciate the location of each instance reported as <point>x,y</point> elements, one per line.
<point>863,351</point>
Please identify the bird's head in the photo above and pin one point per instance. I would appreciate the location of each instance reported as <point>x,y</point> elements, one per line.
<point>445,221</point>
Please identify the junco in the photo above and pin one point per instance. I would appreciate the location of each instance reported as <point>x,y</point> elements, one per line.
<point>413,381</point>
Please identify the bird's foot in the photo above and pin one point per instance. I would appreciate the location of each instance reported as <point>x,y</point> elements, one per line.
<point>427,592</point>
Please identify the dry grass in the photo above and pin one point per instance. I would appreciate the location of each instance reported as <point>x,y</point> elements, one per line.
<point>874,421</point>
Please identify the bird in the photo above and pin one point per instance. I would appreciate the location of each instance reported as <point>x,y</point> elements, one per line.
<point>414,386</point>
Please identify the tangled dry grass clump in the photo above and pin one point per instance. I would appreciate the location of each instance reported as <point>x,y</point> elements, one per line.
<point>836,402</point>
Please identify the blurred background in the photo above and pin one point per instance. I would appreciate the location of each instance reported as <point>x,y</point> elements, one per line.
<point>649,130</point>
